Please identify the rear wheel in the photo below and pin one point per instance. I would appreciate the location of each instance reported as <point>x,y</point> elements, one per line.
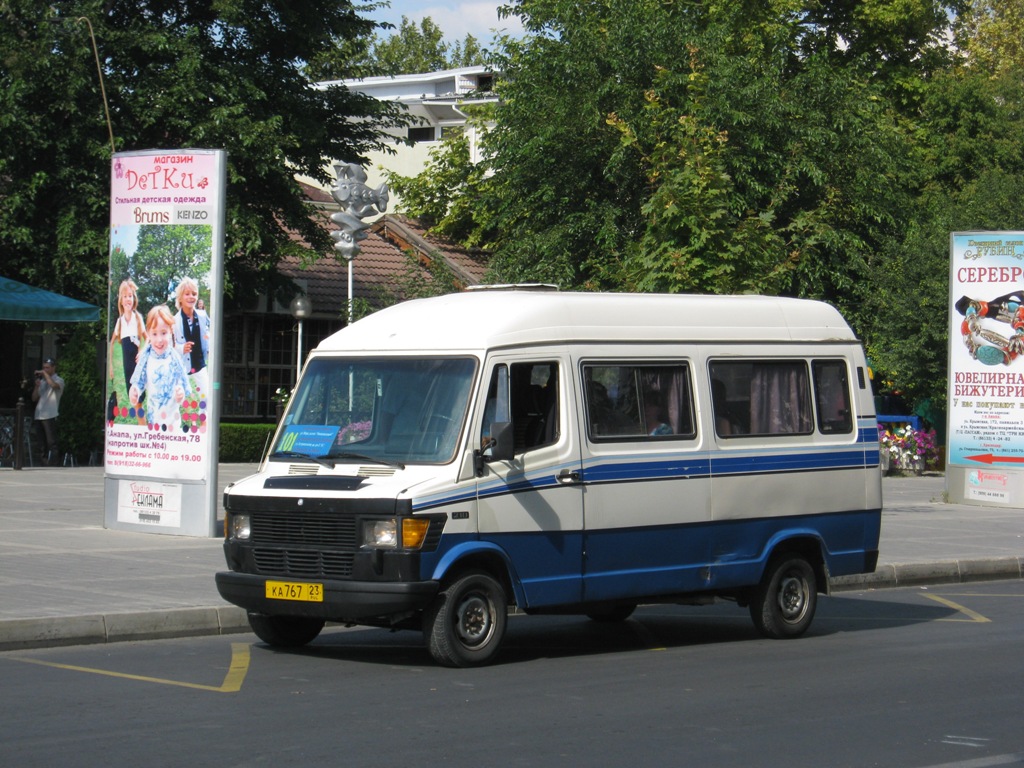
<point>285,631</point>
<point>784,602</point>
<point>465,624</point>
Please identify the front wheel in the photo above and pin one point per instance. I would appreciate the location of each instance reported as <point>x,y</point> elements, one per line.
<point>285,631</point>
<point>465,624</point>
<point>784,602</point>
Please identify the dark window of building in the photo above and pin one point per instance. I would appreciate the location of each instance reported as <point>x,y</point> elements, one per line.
<point>260,357</point>
<point>420,134</point>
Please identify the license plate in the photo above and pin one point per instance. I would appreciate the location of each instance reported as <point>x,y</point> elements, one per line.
<point>295,590</point>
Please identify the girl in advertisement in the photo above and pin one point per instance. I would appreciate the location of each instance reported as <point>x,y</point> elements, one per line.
<point>129,330</point>
<point>160,374</point>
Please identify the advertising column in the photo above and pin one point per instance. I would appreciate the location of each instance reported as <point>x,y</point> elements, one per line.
<point>985,458</point>
<point>163,364</point>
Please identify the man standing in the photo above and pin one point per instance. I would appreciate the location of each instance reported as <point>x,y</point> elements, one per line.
<point>46,395</point>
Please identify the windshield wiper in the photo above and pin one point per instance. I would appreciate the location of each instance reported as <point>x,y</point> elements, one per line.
<point>373,459</point>
<point>323,461</point>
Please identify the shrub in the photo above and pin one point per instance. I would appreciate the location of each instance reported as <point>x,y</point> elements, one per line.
<point>244,442</point>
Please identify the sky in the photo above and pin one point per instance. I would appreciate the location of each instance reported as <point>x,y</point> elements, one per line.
<point>456,18</point>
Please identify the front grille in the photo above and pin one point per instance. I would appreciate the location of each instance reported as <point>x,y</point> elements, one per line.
<point>303,545</point>
<point>303,529</point>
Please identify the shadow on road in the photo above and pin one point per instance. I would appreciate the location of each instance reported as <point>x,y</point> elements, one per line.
<point>651,627</point>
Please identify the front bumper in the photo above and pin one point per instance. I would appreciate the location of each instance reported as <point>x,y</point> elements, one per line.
<point>343,600</point>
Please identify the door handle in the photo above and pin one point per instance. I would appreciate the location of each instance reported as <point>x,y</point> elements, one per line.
<point>569,476</point>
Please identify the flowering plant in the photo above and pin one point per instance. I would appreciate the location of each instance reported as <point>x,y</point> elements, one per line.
<point>282,395</point>
<point>909,448</point>
<point>355,431</point>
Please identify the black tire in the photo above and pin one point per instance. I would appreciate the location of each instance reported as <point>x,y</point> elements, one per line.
<point>784,602</point>
<point>613,614</point>
<point>465,624</point>
<point>285,631</point>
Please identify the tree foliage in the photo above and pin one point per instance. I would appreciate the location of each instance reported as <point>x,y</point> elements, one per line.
<point>178,73</point>
<point>422,48</point>
<point>414,48</point>
<point>729,152</point>
<point>822,149</point>
<point>991,33</point>
<point>162,256</point>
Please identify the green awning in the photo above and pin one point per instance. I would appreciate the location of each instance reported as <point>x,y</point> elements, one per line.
<point>23,302</point>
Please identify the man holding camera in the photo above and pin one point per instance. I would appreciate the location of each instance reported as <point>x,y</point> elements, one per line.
<point>46,395</point>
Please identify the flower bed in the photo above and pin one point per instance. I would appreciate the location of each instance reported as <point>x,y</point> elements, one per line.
<point>909,449</point>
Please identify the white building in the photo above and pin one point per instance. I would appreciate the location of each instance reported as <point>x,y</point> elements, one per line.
<point>436,99</point>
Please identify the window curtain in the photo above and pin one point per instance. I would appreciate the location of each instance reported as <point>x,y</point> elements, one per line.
<point>778,400</point>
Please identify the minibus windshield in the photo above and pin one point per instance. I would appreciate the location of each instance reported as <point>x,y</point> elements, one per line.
<point>386,410</point>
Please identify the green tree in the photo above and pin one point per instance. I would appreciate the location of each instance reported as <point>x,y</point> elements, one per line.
<point>178,73</point>
<point>971,131</point>
<point>444,195</point>
<point>165,255</point>
<point>822,149</point>
<point>991,34</point>
<point>723,154</point>
<point>412,49</point>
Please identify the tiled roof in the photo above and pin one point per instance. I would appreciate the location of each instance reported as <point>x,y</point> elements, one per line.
<point>382,267</point>
<point>468,265</point>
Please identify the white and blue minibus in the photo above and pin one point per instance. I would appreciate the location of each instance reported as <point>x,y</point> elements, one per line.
<point>446,459</point>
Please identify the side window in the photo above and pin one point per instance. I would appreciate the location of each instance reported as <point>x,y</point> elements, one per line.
<point>761,397</point>
<point>832,397</point>
<point>636,401</point>
<point>525,394</point>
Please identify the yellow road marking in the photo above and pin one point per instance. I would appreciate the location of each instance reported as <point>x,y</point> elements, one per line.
<point>975,616</point>
<point>232,680</point>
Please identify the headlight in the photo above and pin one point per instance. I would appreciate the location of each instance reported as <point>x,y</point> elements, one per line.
<point>241,527</point>
<point>380,533</point>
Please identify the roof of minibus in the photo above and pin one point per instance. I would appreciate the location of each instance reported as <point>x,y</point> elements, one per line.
<point>486,319</point>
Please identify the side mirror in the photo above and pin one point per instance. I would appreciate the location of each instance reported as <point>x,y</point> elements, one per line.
<point>499,446</point>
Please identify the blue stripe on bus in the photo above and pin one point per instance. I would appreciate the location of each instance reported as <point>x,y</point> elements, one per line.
<point>649,561</point>
<point>628,469</point>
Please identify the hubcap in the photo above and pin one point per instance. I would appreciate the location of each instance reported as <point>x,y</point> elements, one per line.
<point>474,620</point>
<point>792,598</point>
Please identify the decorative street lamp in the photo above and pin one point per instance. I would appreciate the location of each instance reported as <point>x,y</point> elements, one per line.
<point>301,308</point>
<point>357,201</point>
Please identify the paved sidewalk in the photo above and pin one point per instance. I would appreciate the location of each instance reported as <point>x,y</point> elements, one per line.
<point>65,579</point>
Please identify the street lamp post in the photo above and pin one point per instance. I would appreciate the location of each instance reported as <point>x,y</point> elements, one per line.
<point>357,201</point>
<point>301,309</point>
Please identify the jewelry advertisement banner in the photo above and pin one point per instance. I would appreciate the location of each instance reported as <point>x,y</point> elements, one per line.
<point>986,361</point>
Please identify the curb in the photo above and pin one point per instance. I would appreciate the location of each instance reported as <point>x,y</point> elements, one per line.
<point>51,632</point>
<point>56,631</point>
<point>892,575</point>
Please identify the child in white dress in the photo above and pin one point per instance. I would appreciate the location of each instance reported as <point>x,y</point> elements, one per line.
<point>160,373</point>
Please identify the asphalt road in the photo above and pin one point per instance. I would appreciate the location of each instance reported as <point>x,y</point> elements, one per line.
<point>904,677</point>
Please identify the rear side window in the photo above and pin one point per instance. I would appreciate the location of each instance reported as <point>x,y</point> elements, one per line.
<point>832,397</point>
<point>774,397</point>
<point>761,397</point>
<point>638,401</point>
